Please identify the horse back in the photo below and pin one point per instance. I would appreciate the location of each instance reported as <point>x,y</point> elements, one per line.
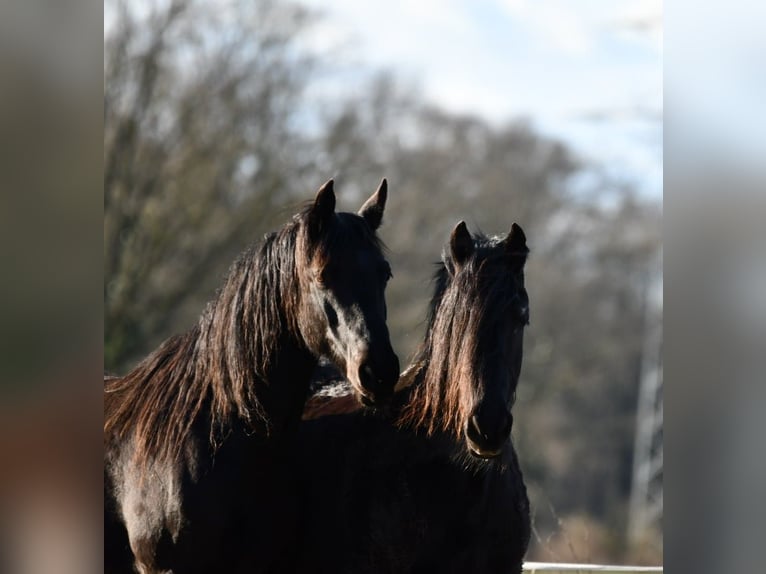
<point>320,406</point>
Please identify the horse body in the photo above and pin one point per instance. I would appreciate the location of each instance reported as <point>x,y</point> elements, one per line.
<point>385,499</point>
<point>230,510</point>
<point>432,483</point>
<point>228,507</point>
<point>198,437</point>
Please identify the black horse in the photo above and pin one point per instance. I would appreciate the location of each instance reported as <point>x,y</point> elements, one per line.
<point>197,437</point>
<point>431,484</point>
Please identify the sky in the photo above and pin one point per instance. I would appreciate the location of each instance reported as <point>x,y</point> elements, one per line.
<point>586,71</point>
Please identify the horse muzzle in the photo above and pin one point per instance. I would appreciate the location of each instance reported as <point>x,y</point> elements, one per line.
<point>486,438</point>
<point>375,380</point>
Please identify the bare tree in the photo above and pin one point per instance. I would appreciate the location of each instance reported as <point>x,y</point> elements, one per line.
<point>199,103</point>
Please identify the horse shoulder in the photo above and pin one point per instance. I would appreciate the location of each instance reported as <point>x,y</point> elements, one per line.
<point>150,501</point>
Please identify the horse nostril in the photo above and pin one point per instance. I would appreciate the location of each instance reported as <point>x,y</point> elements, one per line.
<point>374,390</point>
<point>366,376</point>
<point>477,428</point>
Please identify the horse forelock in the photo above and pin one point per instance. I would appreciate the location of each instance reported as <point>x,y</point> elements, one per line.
<point>348,230</point>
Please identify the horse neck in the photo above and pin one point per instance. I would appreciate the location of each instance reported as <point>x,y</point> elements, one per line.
<point>252,344</point>
<point>409,402</point>
<point>412,404</point>
<point>284,390</point>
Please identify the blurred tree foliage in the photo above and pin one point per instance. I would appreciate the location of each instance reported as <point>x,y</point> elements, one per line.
<point>206,147</point>
<point>200,153</point>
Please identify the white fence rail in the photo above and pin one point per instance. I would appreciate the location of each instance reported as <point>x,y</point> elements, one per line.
<point>555,567</point>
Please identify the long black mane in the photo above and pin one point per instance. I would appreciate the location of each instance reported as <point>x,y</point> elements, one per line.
<point>220,367</point>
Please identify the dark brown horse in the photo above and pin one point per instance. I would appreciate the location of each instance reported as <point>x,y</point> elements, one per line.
<point>198,435</point>
<point>431,484</point>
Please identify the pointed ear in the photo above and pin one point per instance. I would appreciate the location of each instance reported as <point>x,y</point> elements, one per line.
<point>372,210</point>
<point>321,213</point>
<point>516,244</point>
<point>460,244</point>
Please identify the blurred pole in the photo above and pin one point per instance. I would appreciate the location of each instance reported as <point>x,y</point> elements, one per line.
<point>646,488</point>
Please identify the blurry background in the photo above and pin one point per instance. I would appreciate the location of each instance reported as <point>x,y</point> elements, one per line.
<point>221,117</point>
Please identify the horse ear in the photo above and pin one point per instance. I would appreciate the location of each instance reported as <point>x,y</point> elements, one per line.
<point>372,210</point>
<point>516,243</point>
<point>321,213</point>
<point>460,243</point>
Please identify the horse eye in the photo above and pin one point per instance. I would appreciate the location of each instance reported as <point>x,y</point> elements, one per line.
<point>524,311</point>
<point>324,275</point>
<point>523,315</point>
<point>386,271</point>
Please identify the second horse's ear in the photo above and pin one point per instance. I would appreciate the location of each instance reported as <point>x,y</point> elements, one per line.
<point>460,244</point>
<point>516,244</point>
<point>372,210</point>
<point>322,212</point>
